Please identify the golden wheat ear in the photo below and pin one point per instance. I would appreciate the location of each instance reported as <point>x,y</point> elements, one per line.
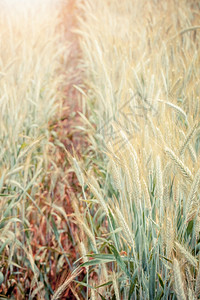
<point>57,295</point>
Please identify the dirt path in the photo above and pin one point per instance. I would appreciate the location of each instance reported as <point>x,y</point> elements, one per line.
<point>62,182</point>
<point>71,138</point>
<point>70,116</point>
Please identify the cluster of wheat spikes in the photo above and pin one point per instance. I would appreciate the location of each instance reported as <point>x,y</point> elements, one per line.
<point>141,189</point>
<point>32,62</point>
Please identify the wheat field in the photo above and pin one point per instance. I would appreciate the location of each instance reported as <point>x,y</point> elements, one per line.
<point>141,185</point>
<point>102,202</point>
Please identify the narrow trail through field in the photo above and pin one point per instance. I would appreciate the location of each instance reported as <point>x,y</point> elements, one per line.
<point>72,139</point>
<point>64,181</point>
<point>71,106</point>
<point>71,102</point>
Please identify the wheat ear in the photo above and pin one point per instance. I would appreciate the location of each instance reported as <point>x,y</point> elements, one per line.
<point>88,232</point>
<point>191,295</point>
<point>125,227</point>
<point>192,153</point>
<point>136,175</point>
<point>193,191</point>
<point>99,198</point>
<point>159,184</point>
<point>116,175</point>
<point>169,237</point>
<point>197,285</point>
<point>184,169</point>
<point>188,138</point>
<point>93,295</point>
<point>187,255</point>
<point>189,276</point>
<point>146,195</point>
<point>57,295</point>
<point>178,281</point>
<point>115,286</point>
